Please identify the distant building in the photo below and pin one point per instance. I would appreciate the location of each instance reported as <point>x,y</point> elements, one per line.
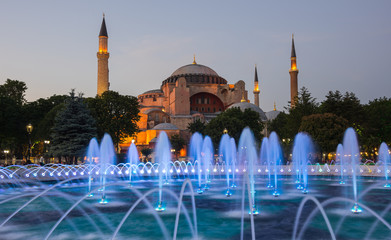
<point>191,92</point>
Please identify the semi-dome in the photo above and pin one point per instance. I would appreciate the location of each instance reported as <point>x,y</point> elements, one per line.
<point>194,69</point>
<point>272,115</point>
<point>253,107</point>
<point>165,126</point>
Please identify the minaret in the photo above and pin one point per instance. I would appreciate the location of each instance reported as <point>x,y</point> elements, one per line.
<point>103,60</point>
<point>256,88</point>
<point>293,73</point>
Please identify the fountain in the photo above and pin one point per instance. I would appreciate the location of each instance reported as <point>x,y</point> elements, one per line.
<point>384,158</point>
<point>133,160</point>
<point>301,155</point>
<point>107,158</point>
<point>247,160</point>
<point>225,154</point>
<point>196,143</point>
<point>339,158</point>
<point>93,154</point>
<point>275,156</point>
<point>38,201</point>
<point>351,154</point>
<point>163,157</point>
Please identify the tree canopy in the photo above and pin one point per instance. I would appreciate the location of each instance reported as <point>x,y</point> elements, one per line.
<point>116,115</point>
<point>73,129</point>
<point>234,121</point>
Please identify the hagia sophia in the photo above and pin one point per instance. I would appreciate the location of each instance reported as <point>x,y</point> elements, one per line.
<point>191,92</point>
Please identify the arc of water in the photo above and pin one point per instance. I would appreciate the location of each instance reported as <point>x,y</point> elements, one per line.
<point>37,196</point>
<point>328,202</point>
<point>246,181</point>
<point>306,199</point>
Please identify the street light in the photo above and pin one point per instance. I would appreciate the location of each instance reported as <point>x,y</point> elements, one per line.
<point>225,131</point>
<point>29,129</point>
<point>6,156</point>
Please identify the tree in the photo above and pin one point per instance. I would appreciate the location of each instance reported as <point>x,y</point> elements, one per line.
<point>14,90</point>
<point>305,105</point>
<point>377,128</point>
<point>12,128</point>
<point>196,126</point>
<point>146,152</point>
<point>116,115</point>
<point>234,120</point>
<point>177,143</point>
<point>326,130</point>
<point>347,106</point>
<point>73,129</point>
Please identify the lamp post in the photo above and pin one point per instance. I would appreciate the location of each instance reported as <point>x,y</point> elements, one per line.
<point>46,143</point>
<point>29,129</point>
<point>6,156</point>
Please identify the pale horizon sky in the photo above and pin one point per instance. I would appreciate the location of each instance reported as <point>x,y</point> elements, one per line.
<point>340,45</point>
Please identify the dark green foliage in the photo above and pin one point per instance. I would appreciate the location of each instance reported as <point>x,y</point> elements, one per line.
<point>146,151</point>
<point>36,114</point>
<point>177,143</point>
<point>12,129</point>
<point>305,105</point>
<point>14,90</point>
<point>196,126</point>
<point>234,120</point>
<point>326,130</point>
<point>73,128</point>
<point>116,115</point>
<point>377,128</point>
<point>347,106</point>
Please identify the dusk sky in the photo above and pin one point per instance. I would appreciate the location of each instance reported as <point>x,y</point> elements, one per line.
<point>340,45</point>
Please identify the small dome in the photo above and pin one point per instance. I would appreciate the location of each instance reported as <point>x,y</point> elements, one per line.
<point>253,107</point>
<point>153,91</point>
<point>197,69</point>
<point>165,126</point>
<point>272,115</point>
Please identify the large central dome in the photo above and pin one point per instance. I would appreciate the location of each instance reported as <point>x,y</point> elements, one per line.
<point>194,69</point>
<point>195,74</point>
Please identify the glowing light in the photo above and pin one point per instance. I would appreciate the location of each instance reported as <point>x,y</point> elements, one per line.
<point>193,170</point>
<point>51,174</point>
<point>160,207</point>
<point>222,170</point>
<point>186,171</point>
<point>229,170</point>
<point>112,172</point>
<point>289,170</point>
<point>164,171</point>
<point>74,173</point>
<point>356,209</point>
<point>259,170</point>
<point>171,171</point>
<point>267,170</point>
<point>96,173</point>
<point>237,170</point>
<point>156,171</point>
<point>82,173</point>
<point>58,174</point>
<point>142,171</point>
<point>119,172</point>
<point>244,170</point>
<point>34,174</point>
<point>312,170</point>
<point>214,170</point>
<point>282,170</point>
<point>149,171</point>
<point>178,171</point>
<point>127,172</point>
<point>43,174</point>
<point>1,176</point>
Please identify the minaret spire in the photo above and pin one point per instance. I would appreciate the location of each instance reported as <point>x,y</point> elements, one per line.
<point>103,60</point>
<point>256,88</point>
<point>293,72</point>
<point>194,61</point>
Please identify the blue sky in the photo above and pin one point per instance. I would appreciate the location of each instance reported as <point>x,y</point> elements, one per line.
<point>340,45</point>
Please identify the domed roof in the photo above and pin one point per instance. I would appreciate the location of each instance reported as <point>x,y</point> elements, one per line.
<point>196,69</point>
<point>272,115</point>
<point>165,126</point>
<point>153,91</point>
<point>253,107</point>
